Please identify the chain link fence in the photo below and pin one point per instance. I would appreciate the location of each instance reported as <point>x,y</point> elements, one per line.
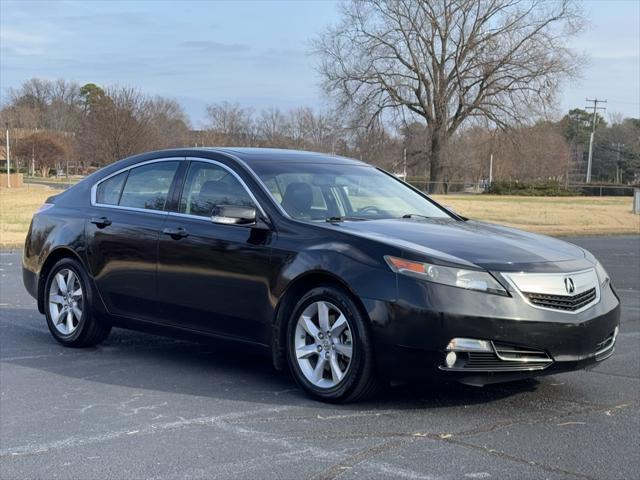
<point>458,188</point>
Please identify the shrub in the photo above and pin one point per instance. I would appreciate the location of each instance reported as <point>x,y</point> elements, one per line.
<point>538,189</point>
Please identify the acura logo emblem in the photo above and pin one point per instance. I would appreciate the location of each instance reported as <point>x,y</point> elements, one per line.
<point>568,284</point>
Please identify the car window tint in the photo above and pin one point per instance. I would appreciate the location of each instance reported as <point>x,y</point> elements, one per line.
<point>208,186</point>
<point>108,191</point>
<point>316,191</point>
<point>272,185</point>
<point>318,200</point>
<point>148,186</point>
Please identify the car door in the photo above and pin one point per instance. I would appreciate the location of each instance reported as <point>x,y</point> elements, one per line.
<point>127,215</point>
<point>212,277</point>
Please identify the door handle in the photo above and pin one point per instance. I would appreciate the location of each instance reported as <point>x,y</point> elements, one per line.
<point>178,232</point>
<point>101,222</point>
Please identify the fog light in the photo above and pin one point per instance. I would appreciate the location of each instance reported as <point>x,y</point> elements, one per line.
<point>450,359</point>
<point>469,345</point>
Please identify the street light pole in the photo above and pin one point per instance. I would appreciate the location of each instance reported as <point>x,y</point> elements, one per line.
<point>8,159</point>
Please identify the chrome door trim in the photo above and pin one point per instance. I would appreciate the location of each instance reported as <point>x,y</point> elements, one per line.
<point>94,188</point>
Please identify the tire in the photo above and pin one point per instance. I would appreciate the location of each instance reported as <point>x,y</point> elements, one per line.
<point>306,351</point>
<point>69,310</point>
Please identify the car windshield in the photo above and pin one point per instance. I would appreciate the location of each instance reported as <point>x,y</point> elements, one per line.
<point>335,192</point>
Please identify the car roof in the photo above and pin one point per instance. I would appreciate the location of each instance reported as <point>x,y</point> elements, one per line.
<point>254,156</point>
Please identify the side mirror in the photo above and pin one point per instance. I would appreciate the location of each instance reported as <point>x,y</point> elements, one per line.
<point>234,215</point>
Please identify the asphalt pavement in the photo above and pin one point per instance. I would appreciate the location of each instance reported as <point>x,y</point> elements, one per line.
<point>141,406</point>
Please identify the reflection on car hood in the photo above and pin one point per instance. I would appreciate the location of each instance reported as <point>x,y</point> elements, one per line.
<point>490,246</point>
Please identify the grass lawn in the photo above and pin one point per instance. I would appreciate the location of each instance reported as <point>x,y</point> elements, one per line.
<point>549,215</point>
<point>16,208</point>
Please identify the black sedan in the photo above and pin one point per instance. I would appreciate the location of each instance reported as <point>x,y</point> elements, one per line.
<point>334,267</point>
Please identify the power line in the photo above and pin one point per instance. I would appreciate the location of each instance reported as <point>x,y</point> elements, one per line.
<point>595,107</point>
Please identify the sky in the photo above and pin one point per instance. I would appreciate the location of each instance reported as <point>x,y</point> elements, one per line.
<point>252,52</point>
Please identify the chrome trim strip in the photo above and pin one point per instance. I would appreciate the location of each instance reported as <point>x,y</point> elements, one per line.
<point>553,283</point>
<point>506,369</point>
<point>608,350</point>
<point>605,354</point>
<point>133,209</point>
<point>94,188</point>
<point>209,220</point>
<point>508,276</point>
<point>522,359</point>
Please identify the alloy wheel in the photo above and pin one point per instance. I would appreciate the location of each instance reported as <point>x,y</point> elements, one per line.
<point>65,301</point>
<point>323,344</point>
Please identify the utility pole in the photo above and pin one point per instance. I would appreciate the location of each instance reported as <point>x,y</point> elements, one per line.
<point>8,159</point>
<point>33,154</point>
<point>575,118</point>
<point>618,169</point>
<point>404,170</point>
<point>491,169</point>
<point>595,107</point>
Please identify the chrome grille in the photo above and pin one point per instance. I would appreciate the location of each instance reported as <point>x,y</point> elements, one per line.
<point>570,292</point>
<point>562,302</point>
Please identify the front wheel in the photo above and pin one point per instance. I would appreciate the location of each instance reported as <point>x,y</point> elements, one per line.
<point>330,350</point>
<point>68,301</point>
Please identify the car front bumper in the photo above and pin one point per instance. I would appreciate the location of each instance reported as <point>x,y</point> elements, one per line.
<point>412,334</point>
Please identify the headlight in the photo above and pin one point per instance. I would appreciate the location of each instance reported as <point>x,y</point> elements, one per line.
<point>455,277</point>
<point>603,276</point>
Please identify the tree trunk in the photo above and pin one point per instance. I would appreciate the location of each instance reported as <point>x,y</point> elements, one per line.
<point>436,169</point>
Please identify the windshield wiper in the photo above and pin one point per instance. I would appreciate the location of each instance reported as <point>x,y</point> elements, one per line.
<point>343,218</point>
<point>411,215</point>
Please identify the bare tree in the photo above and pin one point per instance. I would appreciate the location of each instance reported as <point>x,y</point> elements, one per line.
<point>448,61</point>
<point>116,126</point>
<point>45,105</point>
<point>230,124</point>
<point>45,149</point>
<point>274,128</point>
<point>168,124</point>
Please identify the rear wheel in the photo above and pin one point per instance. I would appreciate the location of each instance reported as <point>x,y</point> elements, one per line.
<point>329,347</point>
<point>67,301</point>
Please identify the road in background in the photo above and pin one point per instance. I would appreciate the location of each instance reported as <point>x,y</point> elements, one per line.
<point>57,184</point>
<point>141,406</point>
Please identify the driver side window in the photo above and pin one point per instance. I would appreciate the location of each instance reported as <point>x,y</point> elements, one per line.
<point>209,186</point>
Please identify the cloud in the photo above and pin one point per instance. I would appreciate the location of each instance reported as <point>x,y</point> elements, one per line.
<point>210,46</point>
<point>22,43</point>
<point>616,55</point>
<point>124,19</point>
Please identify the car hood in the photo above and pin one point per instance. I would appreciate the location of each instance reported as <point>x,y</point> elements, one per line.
<point>493,247</point>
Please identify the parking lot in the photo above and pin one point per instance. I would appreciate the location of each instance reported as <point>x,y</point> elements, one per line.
<point>141,406</point>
